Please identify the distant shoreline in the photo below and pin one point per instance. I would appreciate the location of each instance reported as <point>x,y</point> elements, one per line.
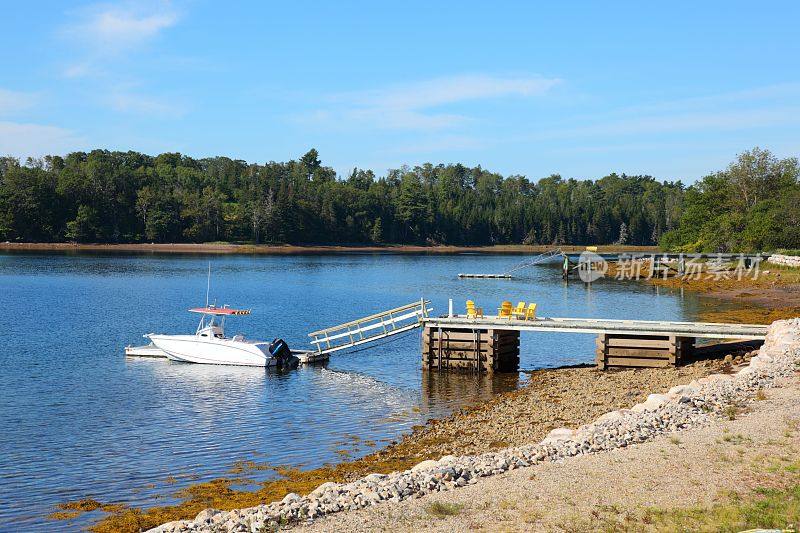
<point>258,249</point>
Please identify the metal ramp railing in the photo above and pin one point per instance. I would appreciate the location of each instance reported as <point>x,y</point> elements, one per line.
<point>370,328</point>
<point>541,258</point>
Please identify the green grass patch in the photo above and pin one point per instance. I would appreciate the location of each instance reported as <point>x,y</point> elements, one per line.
<point>736,439</point>
<point>730,412</point>
<point>763,508</point>
<point>442,510</point>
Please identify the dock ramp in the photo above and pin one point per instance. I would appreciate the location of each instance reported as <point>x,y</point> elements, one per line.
<point>370,328</point>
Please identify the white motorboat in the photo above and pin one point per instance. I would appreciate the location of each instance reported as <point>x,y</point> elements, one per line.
<point>209,344</point>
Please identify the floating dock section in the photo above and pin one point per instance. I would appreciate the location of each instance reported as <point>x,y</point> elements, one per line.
<point>502,276</point>
<point>148,350</point>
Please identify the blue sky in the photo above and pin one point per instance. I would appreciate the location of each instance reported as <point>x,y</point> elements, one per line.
<point>671,89</point>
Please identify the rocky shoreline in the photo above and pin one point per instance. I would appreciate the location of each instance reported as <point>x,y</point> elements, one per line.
<point>568,396</point>
<point>682,406</point>
<point>785,260</point>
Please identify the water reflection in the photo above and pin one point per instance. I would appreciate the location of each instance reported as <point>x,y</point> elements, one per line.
<point>461,388</point>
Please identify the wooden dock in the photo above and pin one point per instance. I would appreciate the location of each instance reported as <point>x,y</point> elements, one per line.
<point>468,349</point>
<point>487,344</point>
<point>709,330</point>
<point>642,350</point>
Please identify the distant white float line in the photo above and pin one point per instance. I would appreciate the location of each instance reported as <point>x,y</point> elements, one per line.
<point>504,276</point>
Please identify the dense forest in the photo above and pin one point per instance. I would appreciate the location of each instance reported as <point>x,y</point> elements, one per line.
<point>753,205</point>
<point>116,197</point>
<point>105,196</point>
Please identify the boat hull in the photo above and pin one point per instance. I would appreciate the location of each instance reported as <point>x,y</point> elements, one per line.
<point>149,350</point>
<point>212,351</point>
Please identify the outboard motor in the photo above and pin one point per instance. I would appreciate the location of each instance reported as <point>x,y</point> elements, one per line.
<point>281,352</point>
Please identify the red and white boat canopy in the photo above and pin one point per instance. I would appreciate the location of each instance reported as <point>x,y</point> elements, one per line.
<point>219,311</point>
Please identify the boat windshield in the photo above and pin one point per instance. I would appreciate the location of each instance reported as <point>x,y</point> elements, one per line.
<point>212,318</point>
<point>211,325</point>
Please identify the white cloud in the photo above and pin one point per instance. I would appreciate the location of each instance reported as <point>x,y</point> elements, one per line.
<point>14,101</point>
<point>108,42</point>
<point>414,106</point>
<point>118,27</point>
<point>35,140</point>
<point>101,33</point>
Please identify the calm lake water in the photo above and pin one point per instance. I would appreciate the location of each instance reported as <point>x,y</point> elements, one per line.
<point>80,420</point>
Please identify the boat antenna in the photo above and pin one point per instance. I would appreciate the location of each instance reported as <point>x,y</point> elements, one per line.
<point>208,283</point>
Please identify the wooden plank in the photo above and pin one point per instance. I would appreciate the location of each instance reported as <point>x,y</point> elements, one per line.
<point>470,339</point>
<point>465,345</point>
<point>648,336</point>
<point>628,342</point>
<point>501,338</point>
<point>637,362</point>
<point>638,352</point>
<point>600,359</point>
<point>457,335</point>
<point>470,349</point>
<point>505,350</point>
<point>502,343</point>
<point>460,354</point>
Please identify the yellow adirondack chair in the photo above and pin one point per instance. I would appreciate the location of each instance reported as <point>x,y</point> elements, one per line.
<point>530,313</point>
<point>505,309</point>
<point>519,310</point>
<point>472,311</point>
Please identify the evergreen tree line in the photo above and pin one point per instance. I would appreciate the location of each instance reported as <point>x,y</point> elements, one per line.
<point>122,197</point>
